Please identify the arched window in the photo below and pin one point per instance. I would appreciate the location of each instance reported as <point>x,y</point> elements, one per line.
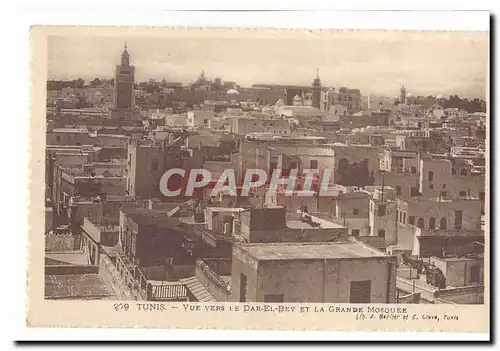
<point>442,223</point>
<point>463,172</point>
<point>420,223</point>
<point>432,223</point>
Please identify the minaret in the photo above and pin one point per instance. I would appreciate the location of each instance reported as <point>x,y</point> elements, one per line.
<point>124,83</point>
<point>316,91</point>
<point>125,57</point>
<point>402,95</point>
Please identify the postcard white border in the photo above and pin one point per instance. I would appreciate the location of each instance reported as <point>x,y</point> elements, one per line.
<point>17,192</point>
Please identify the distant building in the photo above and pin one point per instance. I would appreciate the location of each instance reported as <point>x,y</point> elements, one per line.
<point>374,102</point>
<point>349,98</point>
<point>199,118</point>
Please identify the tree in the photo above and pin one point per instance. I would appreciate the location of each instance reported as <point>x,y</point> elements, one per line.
<point>95,82</point>
<point>78,83</point>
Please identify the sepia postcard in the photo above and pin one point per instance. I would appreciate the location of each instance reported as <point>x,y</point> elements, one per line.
<point>259,179</point>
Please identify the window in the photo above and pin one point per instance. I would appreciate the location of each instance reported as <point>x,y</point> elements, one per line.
<point>414,170</point>
<point>273,298</point>
<point>411,220</point>
<point>430,176</point>
<point>58,138</point>
<point>432,223</point>
<point>355,233</point>
<point>381,233</point>
<point>458,219</point>
<point>360,291</point>
<point>314,164</point>
<point>78,143</point>
<point>154,165</point>
<point>443,193</point>
<point>475,274</point>
<point>462,193</point>
<point>463,172</point>
<point>453,171</point>
<point>431,186</point>
<point>398,190</point>
<point>381,210</point>
<point>442,223</point>
<point>420,223</point>
<point>444,186</point>
<point>355,211</point>
<point>404,217</point>
<point>414,191</point>
<point>243,287</point>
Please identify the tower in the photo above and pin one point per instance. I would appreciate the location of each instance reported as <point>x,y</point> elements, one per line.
<point>316,91</point>
<point>402,95</point>
<point>124,83</point>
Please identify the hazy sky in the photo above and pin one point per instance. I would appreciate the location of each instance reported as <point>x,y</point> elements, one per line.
<point>377,62</point>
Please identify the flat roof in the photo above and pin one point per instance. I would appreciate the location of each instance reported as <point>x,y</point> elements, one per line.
<point>304,151</point>
<point>66,257</point>
<point>310,251</point>
<point>76,286</point>
<point>298,224</point>
<point>457,259</point>
<point>226,209</point>
<point>160,217</point>
<point>69,130</point>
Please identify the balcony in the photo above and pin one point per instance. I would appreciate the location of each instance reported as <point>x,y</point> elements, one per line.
<point>169,292</point>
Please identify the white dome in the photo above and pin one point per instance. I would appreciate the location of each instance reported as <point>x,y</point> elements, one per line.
<point>439,96</point>
<point>409,95</point>
<point>233,91</point>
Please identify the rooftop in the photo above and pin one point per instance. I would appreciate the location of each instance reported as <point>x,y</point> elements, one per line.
<point>161,218</point>
<point>457,259</point>
<point>323,224</point>
<point>303,151</point>
<point>76,286</point>
<point>65,258</point>
<point>70,130</point>
<point>226,209</point>
<point>310,251</point>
